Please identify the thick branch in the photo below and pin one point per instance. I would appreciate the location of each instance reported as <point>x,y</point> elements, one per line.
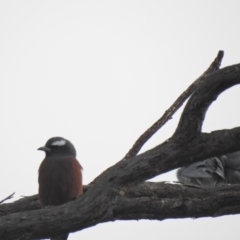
<point>170,155</point>
<point>147,201</point>
<point>21,205</point>
<point>26,204</point>
<point>188,202</point>
<point>177,190</point>
<point>193,115</point>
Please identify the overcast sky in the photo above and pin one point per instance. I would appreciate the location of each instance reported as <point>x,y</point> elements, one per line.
<point>99,73</point>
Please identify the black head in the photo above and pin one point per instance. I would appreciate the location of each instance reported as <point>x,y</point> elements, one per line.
<point>59,147</point>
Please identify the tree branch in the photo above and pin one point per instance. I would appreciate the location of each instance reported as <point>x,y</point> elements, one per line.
<point>147,201</point>
<point>193,115</point>
<point>215,65</point>
<point>187,202</point>
<point>7,198</point>
<point>21,205</point>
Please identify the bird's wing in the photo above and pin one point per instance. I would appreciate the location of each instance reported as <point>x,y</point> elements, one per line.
<point>232,160</point>
<point>204,169</point>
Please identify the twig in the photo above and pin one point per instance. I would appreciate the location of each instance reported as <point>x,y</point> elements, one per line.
<point>215,65</point>
<point>7,198</point>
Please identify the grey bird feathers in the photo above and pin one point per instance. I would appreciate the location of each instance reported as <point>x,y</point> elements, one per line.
<point>212,172</point>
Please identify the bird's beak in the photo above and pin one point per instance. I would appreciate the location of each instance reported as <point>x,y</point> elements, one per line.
<point>45,149</point>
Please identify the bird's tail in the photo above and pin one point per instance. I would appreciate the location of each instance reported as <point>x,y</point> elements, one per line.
<point>61,237</point>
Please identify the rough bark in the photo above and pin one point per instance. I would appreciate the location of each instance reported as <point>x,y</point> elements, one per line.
<point>121,193</point>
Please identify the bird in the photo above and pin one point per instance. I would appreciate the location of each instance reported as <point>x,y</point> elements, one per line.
<point>60,175</point>
<point>212,172</point>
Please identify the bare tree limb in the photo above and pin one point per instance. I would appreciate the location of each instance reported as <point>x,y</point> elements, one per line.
<point>192,118</point>
<point>215,65</point>
<point>188,202</point>
<point>147,201</point>
<point>7,198</point>
<point>26,203</point>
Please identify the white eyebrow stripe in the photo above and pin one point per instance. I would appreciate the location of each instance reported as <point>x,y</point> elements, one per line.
<point>59,143</point>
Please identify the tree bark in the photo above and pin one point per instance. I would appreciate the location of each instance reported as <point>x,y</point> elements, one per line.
<point>121,193</point>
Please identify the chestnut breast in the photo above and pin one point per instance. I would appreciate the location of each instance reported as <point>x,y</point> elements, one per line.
<point>60,180</point>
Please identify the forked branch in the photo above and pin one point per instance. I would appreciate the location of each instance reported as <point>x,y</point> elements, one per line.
<point>215,65</point>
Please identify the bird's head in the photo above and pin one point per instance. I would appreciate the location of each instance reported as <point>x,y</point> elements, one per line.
<point>58,147</point>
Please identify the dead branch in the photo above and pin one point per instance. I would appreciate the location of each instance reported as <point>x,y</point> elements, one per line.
<point>7,198</point>
<point>215,65</point>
